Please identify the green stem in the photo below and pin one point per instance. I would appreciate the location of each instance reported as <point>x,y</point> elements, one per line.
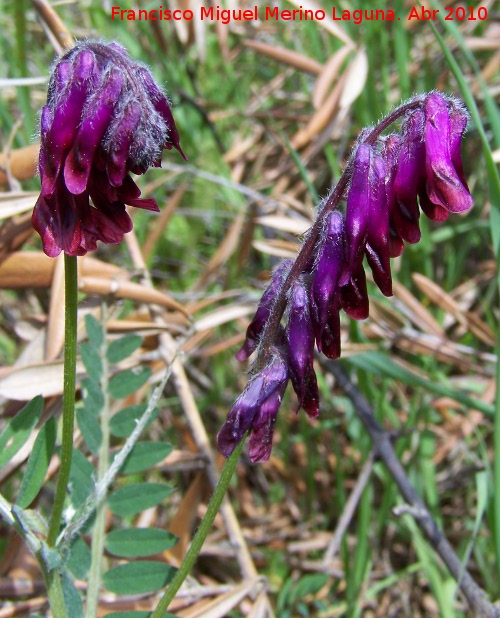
<point>202,532</point>
<point>68,411</point>
<point>55,593</point>
<point>102,468</point>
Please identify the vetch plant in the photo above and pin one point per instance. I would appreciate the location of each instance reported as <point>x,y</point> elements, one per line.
<point>105,118</point>
<point>385,181</point>
<point>372,211</point>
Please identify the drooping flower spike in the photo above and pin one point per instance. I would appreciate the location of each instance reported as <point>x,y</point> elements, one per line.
<point>386,182</point>
<point>105,117</point>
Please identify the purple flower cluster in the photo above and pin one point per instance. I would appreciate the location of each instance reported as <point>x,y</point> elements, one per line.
<point>105,117</point>
<point>389,177</point>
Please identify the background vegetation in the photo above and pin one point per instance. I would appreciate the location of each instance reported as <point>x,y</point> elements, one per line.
<point>267,114</point>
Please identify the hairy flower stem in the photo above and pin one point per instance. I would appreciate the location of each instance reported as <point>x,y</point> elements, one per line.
<point>68,411</point>
<point>271,329</point>
<point>202,532</point>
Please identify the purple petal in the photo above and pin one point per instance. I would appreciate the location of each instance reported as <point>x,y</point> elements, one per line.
<point>261,438</point>
<point>162,106</point>
<point>97,118</point>
<point>377,247</point>
<point>260,390</point>
<point>67,113</point>
<point>410,172</point>
<point>329,274</point>
<point>300,335</point>
<point>358,204</point>
<point>119,144</point>
<point>354,296</point>
<point>330,339</point>
<point>444,186</point>
<point>256,326</point>
<point>458,124</point>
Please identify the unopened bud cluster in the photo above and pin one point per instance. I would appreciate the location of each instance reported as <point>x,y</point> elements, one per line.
<point>390,177</point>
<point>105,117</point>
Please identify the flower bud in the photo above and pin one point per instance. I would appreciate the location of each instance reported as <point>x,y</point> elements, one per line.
<point>330,273</point>
<point>256,409</point>
<point>444,186</point>
<point>300,335</point>
<point>256,326</point>
<point>410,173</point>
<point>358,204</point>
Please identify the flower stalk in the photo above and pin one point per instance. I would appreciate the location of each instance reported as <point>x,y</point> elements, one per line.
<point>202,532</point>
<point>68,408</point>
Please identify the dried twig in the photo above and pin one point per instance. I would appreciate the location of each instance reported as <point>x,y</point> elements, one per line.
<point>382,447</point>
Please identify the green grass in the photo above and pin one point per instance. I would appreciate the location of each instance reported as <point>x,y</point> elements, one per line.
<point>319,461</point>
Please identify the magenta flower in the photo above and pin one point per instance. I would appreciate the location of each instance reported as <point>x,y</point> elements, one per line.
<point>255,327</point>
<point>444,185</point>
<point>105,117</point>
<point>329,272</point>
<point>300,337</point>
<point>388,181</point>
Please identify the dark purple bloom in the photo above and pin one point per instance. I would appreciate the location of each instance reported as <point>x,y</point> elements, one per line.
<point>300,336</point>
<point>392,178</point>
<point>330,273</point>
<point>354,296</point>
<point>377,245</point>
<point>256,326</point>
<point>358,203</point>
<point>105,117</point>
<point>256,409</point>
<point>444,185</point>
<point>410,173</point>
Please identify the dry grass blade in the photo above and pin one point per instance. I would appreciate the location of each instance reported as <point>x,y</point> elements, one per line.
<point>286,56</point>
<point>161,222</point>
<point>223,315</point>
<point>415,311</point>
<point>285,224</point>
<point>465,318</point>
<point>13,234</point>
<point>327,24</point>
<point>278,248</point>
<point>322,117</point>
<point>16,203</point>
<point>128,290</point>
<point>55,326</point>
<point>183,521</point>
<point>24,383</point>
<point>356,75</point>
<point>34,269</point>
<point>21,163</point>
<point>54,23</point>
<point>328,75</point>
<point>219,607</point>
<point>226,249</point>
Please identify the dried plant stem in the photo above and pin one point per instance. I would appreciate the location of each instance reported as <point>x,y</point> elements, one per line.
<point>62,36</point>
<point>97,497</point>
<point>167,348</point>
<point>383,449</point>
